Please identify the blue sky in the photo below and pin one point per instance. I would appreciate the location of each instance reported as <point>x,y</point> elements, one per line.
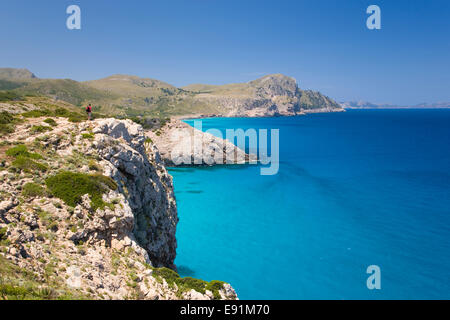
<point>325,45</point>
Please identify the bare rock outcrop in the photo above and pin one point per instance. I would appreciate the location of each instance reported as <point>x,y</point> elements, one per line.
<point>147,185</point>
<point>182,145</point>
<point>269,96</point>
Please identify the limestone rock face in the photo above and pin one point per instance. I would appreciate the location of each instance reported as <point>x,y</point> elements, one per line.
<point>182,145</point>
<point>275,85</point>
<point>269,96</point>
<point>144,181</point>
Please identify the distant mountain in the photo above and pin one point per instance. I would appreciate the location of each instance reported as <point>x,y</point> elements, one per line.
<point>15,74</point>
<point>126,95</point>
<point>363,105</point>
<point>271,95</point>
<point>369,105</point>
<point>435,105</point>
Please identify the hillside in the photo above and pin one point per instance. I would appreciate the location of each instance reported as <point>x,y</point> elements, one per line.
<point>131,96</point>
<point>66,90</point>
<point>134,96</point>
<point>271,95</point>
<point>17,74</point>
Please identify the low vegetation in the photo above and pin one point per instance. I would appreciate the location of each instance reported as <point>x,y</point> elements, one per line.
<point>7,123</point>
<point>188,283</point>
<point>19,284</point>
<point>32,190</point>
<point>88,136</point>
<point>40,129</point>
<point>71,186</point>
<point>51,122</point>
<point>26,164</point>
<point>3,233</point>
<point>94,166</point>
<point>25,160</point>
<point>22,150</point>
<point>6,117</point>
<point>57,112</point>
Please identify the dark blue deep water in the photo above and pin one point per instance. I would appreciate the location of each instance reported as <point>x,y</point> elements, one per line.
<point>354,189</point>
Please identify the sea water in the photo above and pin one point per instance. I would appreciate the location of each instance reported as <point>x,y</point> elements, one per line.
<point>354,189</point>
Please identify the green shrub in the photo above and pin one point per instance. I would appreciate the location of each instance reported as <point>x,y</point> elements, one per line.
<point>22,150</point>
<point>89,136</point>
<point>6,129</point>
<point>51,122</point>
<point>32,190</point>
<point>62,112</point>
<point>3,233</point>
<point>71,186</point>
<point>72,116</point>
<point>76,118</point>
<point>188,283</point>
<point>40,129</point>
<point>17,292</point>
<point>58,112</point>
<point>26,164</point>
<point>19,284</point>
<point>93,165</point>
<point>6,117</point>
<point>215,286</point>
<point>107,181</point>
<point>6,123</point>
<point>169,275</point>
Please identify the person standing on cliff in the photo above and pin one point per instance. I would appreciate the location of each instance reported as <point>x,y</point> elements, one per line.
<point>89,111</point>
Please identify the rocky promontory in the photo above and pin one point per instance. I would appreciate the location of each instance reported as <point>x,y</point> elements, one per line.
<point>269,96</point>
<point>87,210</point>
<point>180,144</point>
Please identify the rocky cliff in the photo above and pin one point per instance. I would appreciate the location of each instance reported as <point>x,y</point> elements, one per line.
<point>272,95</point>
<point>87,210</point>
<point>182,145</point>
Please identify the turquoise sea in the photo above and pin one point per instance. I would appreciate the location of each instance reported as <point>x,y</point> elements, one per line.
<point>360,188</point>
